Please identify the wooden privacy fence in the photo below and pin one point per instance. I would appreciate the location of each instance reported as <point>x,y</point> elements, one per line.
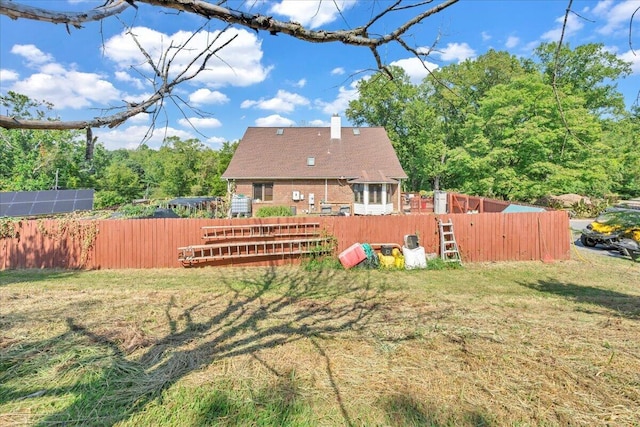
<point>153,243</point>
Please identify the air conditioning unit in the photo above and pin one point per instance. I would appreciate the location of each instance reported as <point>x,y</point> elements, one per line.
<point>295,196</point>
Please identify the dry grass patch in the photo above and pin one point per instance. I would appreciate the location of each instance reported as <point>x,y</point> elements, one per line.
<point>494,344</point>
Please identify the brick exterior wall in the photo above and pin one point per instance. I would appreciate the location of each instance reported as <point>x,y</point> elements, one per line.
<point>338,194</point>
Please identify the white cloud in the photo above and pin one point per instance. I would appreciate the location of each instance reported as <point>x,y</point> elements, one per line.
<point>512,41</point>
<point>32,54</point>
<point>136,98</point>
<point>274,120</point>
<point>416,69</point>
<point>215,142</point>
<point>312,13</point>
<point>300,83</point>
<point>141,118</point>
<point>63,87</point>
<point>319,123</point>
<point>456,52</point>
<point>574,24</point>
<point>237,64</point>
<point>283,102</point>
<point>338,71</point>
<point>531,46</point>
<point>208,97</point>
<point>68,89</point>
<point>485,36</point>
<point>125,77</point>
<point>340,104</point>
<point>634,59</point>
<point>132,136</point>
<point>200,122</point>
<point>616,15</point>
<point>52,68</point>
<point>8,75</point>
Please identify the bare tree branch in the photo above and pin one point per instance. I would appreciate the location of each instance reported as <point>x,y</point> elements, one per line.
<point>631,29</point>
<point>17,10</point>
<point>163,85</point>
<point>554,81</point>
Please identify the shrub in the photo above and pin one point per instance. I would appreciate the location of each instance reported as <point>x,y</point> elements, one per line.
<point>136,211</point>
<point>107,199</point>
<point>267,211</point>
<point>439,264</point>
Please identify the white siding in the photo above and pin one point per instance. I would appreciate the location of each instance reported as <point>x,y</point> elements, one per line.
<point>366,209</point>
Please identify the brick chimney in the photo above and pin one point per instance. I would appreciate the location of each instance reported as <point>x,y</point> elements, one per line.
<point>335,126</point>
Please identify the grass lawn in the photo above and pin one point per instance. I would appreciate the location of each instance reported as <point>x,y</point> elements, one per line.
<point>486,345</point>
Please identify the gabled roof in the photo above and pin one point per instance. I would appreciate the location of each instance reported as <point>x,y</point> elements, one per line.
<point>361,154</point>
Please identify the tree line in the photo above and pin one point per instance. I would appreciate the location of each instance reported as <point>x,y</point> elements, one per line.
<point>59,159</point>
<point>512,128</point>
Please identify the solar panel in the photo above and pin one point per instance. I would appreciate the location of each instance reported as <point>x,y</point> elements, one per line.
<point>27,203</point>
<point>45,196</point>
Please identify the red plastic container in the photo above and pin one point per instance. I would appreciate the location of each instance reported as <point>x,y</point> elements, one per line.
<point>351,256</point>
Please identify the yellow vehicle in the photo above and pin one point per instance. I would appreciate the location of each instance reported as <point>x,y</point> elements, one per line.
<point>616,228</point>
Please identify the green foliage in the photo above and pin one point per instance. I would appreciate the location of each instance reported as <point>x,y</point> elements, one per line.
<point>37,159</point>
<point>185,212</point>
<point>9,228</point>
<point>582,209</point>
<point>621,219</point>
<point>589,71</point>
<point>123,180</point>
<point>108,199</point>
<point>440,264</point>
<point>31,160</point>
<point>495,126</point>
<point>323,256</point>
<point>136,211</point>
<point>269,211</point>
<point>320,263</point>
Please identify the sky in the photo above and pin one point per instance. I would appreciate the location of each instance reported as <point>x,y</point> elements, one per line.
<point>260,79</point>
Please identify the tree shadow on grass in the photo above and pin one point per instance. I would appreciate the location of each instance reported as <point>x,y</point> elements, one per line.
<point>623,304</point>
<point>404,410</point>
<point>278,404</point>
<point>280,307</point>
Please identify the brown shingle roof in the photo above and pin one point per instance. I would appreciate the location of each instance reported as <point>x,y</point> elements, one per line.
<point>263,154</point>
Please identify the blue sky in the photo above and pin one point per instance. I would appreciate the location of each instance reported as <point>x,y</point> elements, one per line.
<point>265,80</point>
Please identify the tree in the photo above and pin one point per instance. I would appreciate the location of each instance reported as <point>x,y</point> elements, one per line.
<point>589,71</point>
<point>424,122</point>
<point>622,139</point>
<point>516,146</point>
<point>121,184</point>
<point>384,100</point>
<point>38,159</point>
<point>166,79</point>
<point>457,89</point>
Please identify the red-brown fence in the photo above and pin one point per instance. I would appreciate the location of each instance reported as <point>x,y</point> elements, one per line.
<point>153,243</point>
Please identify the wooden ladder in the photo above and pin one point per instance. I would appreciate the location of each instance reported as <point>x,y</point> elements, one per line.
<point>448,246</point>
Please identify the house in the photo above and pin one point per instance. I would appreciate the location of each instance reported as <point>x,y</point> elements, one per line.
<point>318,169</point>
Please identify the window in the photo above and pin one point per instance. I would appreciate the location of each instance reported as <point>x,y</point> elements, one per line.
<point>358,193</point>
<point>311,161</point>
<point>375,194</point>
<point>390,193</point>
<point>263,191</point>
